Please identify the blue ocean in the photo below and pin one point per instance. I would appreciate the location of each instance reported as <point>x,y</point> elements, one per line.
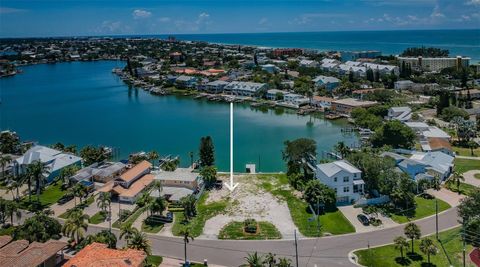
<point>458,42</point>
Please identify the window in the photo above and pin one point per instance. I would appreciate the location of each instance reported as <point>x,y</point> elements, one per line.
<point>335,190</point>
<point>335,179</point>
<point>346,179</point>
<point>346,189</point>
<point>355,189</point>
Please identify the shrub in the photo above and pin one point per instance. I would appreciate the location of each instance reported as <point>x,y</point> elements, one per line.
<point>124,214</point>
<point>250,226</point>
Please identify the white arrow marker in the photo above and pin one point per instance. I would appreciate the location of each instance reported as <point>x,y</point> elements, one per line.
<point>231,186</point>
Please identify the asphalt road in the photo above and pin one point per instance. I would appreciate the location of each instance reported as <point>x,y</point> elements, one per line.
<point>325,251</point>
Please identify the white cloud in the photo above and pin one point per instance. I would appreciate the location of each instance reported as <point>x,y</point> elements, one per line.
<point>473,2</point>
<point>164,19</point>
<point>112,27</point>
<point>141,14</point>
<point>263,21</point>
<point>203,18</point>
<point>9,10</point>
<point>201,22</point>
<point>311,17</point>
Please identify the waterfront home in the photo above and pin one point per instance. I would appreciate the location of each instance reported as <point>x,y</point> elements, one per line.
<point>327,82</point>
<point>215,86</point>
<point>102,172</point>
<point>275,94</point>
<point>399,113</point>
<point>322,101</point>
<point>96,254</point>
<point>129,185</point>
<point>382,69</point>
<point>22,253</point>
<point>245,88</point>
<point>295,99</point>
<point>178,183</point>
<point>345,106</point>
<point>184,81</point>
<point>423,165</point>
<point>342,177</point>
<point>55,161</point>
<point>425,131</point>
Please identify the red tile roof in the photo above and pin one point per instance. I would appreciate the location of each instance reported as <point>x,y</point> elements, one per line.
<point>5,239</point>
<point>33,255</point>
<point>98,255</point>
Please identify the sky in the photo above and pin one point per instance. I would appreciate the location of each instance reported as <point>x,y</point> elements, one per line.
<point>42,18</point>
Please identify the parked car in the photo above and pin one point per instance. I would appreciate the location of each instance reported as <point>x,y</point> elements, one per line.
<point>65,199</point>
<point>363,219</point>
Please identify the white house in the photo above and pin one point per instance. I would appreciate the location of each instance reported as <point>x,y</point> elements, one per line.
<point>244,88</point>
<point>215,86</point>
<point>342,177</point>
<point>308,63</point>
<point>273,93</point>
<point>403,85</point>
<point>270,68</point>
<point>55,161</point>
<point>424,131</point>
<point>399,113</point>
<point>295,99</point>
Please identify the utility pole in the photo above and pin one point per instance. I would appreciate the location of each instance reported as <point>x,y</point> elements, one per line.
<point>110,214</point>
<point>296,247</point>
<point>436,217</point>
<point>463,230</point>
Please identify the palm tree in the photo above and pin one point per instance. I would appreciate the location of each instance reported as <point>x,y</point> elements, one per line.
<point>342,149</point>
<point>104,201</point>
<point>139,241</point>
<point>12,208</point>
<point>209,175</point>
<point>4,160</point>
<point>190,154</point>
<point>127,231</point>
<point>145,201</point>
<point>79,190</point>
<point>254,260</point>
<point>400,244</point>
<point>36,170</point>
<point>413,232</point>
<point>270,259</point>
<point>157,184</point>
<point>187,237</point>
<point>153,155</point>
<point>456,178</point>
<point>188,205</point>
<point>427,247</point>
<point>158,206</point>
<point>76,225</point>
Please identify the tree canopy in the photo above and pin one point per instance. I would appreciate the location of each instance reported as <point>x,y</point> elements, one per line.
<point>395,134</point>
<point>207,151</point>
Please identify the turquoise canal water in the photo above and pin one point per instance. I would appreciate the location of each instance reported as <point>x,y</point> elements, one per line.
<point>84,103</point>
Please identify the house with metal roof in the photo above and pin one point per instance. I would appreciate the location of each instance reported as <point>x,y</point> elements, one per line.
<point>342,177</point>
<point>327,82</point>
<point>399,113</point>
<point>55,161</point>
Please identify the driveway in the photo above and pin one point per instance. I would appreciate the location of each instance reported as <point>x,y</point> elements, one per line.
<point>470,177</point>
<point>60,209</point>
<point>452,198</point>
<point>351,214</point>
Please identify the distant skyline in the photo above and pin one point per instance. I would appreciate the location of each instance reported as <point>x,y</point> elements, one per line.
<point>46,18</point>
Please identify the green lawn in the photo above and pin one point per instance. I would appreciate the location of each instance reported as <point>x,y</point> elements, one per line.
<point>50,195</point>
<point>388,256</point>
<point>464,165</point>
<point>151,227</point>
<point>234,230</point>
<point>462,151</point>
<point>154,260</point>
<point>98,217</point>
<point>331,222</point>
<point>424,208</point>
<point>204,212</point>
<point>465,189</point>
<point>477,175</point>
<point>7,231</point>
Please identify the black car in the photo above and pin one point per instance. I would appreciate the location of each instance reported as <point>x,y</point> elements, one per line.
<point>363,219</point>
<point>65,199</point>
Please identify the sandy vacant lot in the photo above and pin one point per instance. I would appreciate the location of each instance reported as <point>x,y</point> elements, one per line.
<point>249,201</point>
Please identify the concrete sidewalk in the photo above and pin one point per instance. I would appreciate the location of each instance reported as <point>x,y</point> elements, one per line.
<point>169,262</point>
